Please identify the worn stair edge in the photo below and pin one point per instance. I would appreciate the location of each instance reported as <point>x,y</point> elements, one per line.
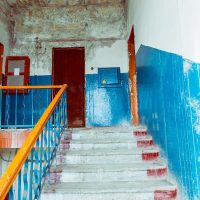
<point>107,176</point>
<point>108,187</point>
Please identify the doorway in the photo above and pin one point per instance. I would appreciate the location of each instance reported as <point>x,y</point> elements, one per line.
<point>1,61</point>
<point>133,78</point>
<point>69,68</point>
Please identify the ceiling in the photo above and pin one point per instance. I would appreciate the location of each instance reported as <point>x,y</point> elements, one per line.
<point>57,3</point>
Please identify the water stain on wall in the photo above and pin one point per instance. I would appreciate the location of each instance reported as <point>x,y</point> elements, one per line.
<point>91,27</point>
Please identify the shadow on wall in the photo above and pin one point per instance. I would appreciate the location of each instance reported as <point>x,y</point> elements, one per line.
<point>169,104</point>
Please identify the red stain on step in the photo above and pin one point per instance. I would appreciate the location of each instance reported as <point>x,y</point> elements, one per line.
<point>12,138</point>
<point>157,172</point>
<point>65,141</point>
<point>64,146</point>
<point>150,156</point>
<point>165,194</point>
<point>144,143</point>
<point>140,133</point>
<point>55,178</point>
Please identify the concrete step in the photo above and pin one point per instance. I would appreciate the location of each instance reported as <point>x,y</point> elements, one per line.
<point>104,132</point>
<point>109,157</point>
<point>113,143</point>
<point>102,135</point>
<point>109,140</point>
<point>110,163</point>
<point>140,190</point>
<point>121,129</point>
<point>107,173</point>
<point>107,152</point>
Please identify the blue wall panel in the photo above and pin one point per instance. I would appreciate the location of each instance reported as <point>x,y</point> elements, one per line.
<point>168,101</point>
<point>24,103</point>
<point>104,106</point>
<point>107,106</point>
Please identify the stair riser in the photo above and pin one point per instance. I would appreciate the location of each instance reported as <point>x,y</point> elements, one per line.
<point>102,176</point>
<point>140,133</point>
<point>104,136</point>
<point>108,164</point>
<point>104,146</point>
<point>105,196</point>
<point>109,130</point>
<point>109,159</point>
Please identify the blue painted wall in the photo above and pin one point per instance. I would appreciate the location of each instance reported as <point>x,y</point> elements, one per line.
<point>169,104</point>
<point>104,106</point>
<point>24,103</point>
<point>107,106</point>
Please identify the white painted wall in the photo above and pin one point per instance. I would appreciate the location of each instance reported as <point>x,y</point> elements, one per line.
<point>97,54</point>
<point>101,30</point>
<point>115,55</point>
<point>190,29</point>
<point>169,25</point>
<point>4,38</point>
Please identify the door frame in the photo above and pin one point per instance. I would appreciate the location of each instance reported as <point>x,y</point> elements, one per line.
<point>133,78</point>
<point>53,67</point>
<point>1,61</point>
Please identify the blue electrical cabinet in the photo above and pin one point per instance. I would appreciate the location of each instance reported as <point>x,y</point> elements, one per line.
<point>109,77</point>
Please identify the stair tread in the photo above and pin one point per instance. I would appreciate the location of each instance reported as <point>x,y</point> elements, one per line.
<point>93,168</point>
<point>104,187</point>
<point>109,129</point>
<point>111,140</point>
<point>107,152</point>
<point>102,163</point>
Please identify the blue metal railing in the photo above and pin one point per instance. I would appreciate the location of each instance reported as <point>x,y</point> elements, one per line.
<point>37,153</point>
<point>23,110</point>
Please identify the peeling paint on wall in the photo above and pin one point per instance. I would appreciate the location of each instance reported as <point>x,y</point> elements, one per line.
<point>172,93</point>
<point>194,103</point>
<point>101,30</point>
<point>92,27</point>
<point>186,66</point>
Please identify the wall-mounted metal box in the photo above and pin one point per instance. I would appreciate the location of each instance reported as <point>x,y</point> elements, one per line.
<point>17,72</point>
<point>109,77</point>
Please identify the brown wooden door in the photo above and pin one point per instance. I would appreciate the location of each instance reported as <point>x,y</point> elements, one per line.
<point>69,68</point>
<point>1,61</point>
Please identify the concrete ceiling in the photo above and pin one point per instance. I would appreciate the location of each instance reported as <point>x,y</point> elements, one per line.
<point>58,3</point>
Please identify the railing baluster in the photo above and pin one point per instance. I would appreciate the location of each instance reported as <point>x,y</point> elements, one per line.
<point>11,194</point>
<point>36,170</point>
<point>49,142</point>
<point>41,153</point>
<point>23,102</point>
<point>25,179</point>
<point>65,108</point>
<point>7,108</point>
<point>32,108</point>
<point>16,106</point>
<point>19,185</point>
<point>39,150</point>
<point>45,150</point>
<point>57,126</point>
<point>31,177</point>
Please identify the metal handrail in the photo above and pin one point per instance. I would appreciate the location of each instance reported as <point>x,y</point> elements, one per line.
<point>31,87</point>
<point>16,165</point>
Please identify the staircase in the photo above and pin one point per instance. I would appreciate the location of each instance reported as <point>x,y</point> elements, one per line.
<point>108,164</point>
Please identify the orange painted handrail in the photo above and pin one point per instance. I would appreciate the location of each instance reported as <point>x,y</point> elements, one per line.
<point>31,87</point>
<point>16,165</point>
